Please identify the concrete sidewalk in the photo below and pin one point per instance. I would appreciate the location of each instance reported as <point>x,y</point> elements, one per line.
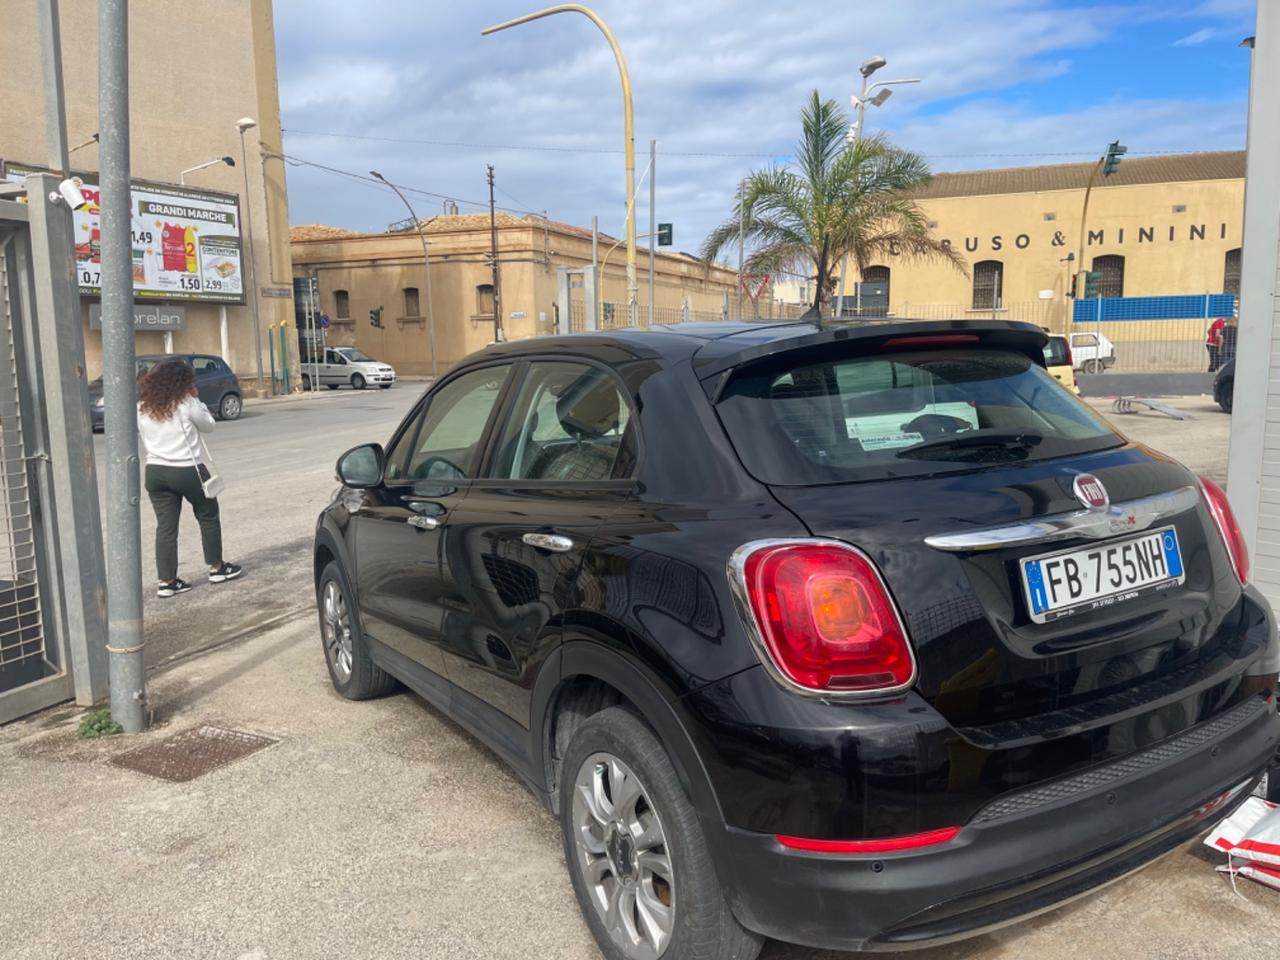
<point>381,830</point>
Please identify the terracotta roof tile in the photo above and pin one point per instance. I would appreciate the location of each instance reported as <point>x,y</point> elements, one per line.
<point>1222,165</point>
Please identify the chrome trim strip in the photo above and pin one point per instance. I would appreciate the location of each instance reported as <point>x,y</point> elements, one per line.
<point>738,587</point>
<point>1131,516</point>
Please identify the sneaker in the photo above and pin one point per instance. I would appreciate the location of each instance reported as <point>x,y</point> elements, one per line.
<point>228,571</point>
<point>173,588</point>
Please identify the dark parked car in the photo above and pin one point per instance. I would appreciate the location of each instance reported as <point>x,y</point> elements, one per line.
<point>860,637</point>
<point>219,389</point>
<point>1224,385</point>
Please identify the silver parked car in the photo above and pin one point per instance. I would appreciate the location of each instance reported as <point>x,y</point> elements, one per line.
<point>347,365</point>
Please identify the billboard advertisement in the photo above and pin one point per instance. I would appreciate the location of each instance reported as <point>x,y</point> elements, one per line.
<point>186,242</point>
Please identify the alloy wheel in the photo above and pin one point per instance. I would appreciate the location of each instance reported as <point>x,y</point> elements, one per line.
<point>230,407</point>
<point>623,857</point>
<point>337,630</point>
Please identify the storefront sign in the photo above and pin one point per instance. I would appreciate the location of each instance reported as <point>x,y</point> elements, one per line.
<point>186,243</point>
<point>147,316</point>
<point>1102,236</point>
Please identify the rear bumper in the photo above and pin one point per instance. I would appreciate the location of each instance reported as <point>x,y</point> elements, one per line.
<point>1022,855</point>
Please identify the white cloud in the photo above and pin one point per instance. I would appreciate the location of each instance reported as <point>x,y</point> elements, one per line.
<point>1195,39</point>
<point>715,77</point>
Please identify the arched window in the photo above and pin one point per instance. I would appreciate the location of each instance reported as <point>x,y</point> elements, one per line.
<point>1110,270</point>
<point>341,304</point>
<point>877,274</point>
<point>1231,272</point>
<point>411,308</point>
<point>484,299</point>
<point>988,284</point>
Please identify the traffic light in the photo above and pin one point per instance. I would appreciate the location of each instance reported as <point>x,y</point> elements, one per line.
<point>375,317</point>
<point>1091,278</point>
<point>1111,162</point>
<point>664,234</point>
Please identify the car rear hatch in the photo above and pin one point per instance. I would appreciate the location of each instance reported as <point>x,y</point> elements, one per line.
<point>965,473</point>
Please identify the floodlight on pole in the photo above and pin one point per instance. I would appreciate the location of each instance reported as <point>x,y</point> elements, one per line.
<point>229,161</point>
<point>426,263</point>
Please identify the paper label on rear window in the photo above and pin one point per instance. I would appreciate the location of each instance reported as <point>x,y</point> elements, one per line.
<point>889,441</point>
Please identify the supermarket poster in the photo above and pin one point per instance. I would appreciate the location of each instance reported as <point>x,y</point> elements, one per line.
<point>186,242</point>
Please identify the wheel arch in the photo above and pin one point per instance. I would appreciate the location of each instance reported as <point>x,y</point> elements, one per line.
<point>580,679</point>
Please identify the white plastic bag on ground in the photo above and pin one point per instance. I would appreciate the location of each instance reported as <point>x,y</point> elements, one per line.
<point>1228,834</point>
<point>1250,838</point>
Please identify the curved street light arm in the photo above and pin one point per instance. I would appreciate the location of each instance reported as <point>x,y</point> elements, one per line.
<point>426,263</point>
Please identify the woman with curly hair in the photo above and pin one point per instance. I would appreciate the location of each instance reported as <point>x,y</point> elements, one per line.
<point>171,419</point>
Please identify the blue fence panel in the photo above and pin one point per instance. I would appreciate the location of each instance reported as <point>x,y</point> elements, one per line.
<point>1179,307</point>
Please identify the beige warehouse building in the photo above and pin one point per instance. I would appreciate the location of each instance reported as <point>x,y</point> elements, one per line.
<point>541,262</point>
<point>193,72</point>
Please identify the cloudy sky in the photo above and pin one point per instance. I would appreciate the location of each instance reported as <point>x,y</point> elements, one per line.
<point>413,90</point>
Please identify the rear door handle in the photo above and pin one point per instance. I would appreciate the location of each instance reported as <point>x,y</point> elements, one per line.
<point>423,523</point>
<point>554,542</point>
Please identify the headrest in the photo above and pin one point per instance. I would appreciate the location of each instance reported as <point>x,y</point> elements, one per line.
<point>588,408</point>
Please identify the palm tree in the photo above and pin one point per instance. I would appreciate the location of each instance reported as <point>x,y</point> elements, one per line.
<point>836,199</point>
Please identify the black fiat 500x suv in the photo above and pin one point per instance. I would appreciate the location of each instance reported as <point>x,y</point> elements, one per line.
<point>862,637</point>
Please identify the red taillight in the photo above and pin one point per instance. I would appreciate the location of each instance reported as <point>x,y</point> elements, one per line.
<point>913,841</point>
<point>825,617</point>
<point>1216,499</point>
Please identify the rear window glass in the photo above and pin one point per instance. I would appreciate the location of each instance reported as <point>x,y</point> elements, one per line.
<point>1055,352</point>
<point>904,414</point>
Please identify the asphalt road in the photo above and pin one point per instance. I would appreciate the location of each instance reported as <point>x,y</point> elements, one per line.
<point>278,462</point>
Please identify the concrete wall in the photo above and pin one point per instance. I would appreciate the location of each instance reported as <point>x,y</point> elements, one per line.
<point>194,69</point>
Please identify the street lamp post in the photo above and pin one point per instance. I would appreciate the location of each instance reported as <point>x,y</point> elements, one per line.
<point>182,177</point>
<point>854,137</point>
<point>426,263</point>
<point>628,125</point>
<point>243,124</point>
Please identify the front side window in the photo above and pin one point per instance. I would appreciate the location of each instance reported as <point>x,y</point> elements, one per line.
<point>569,423</point>
<point>445,443</point>
<point>354,355</point>
<point>904,414</point>
<point>1055,352</point>
<point>988,285</point>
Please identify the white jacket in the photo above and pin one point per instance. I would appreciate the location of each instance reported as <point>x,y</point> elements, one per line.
<point>173,442</point>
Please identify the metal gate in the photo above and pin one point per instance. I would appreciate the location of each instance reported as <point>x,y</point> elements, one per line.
<point>33,653</point>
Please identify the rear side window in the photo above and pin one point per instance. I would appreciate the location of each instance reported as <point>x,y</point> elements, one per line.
<point>1055,352</point>
<point>904,414</point>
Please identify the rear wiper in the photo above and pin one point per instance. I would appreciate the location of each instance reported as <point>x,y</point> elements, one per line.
<point>989,437</point>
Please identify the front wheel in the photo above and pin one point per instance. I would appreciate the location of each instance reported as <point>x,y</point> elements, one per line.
<point>357,381</point>
<point>231,407</point>
<point>306,382</point>
<point>639,863</point>
<point>351,669</point>
<point>1226,394</point>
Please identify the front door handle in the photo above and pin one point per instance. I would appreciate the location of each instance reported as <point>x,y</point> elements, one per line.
<point>423,523</point>
<point>554,542</point>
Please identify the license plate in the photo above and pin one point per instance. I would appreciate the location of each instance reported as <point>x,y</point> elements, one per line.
<point>1060,584</point>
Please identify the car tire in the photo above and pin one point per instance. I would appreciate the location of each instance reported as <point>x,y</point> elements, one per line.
<point>1093,366</point>
<point>230,407</point>
<point>351,669</point>
<point>306,382</point>
<point>1226,395</point>
<point>698,922</point>
<point>357,382</point>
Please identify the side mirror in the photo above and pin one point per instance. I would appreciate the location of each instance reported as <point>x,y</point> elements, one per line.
<point>362,467</point>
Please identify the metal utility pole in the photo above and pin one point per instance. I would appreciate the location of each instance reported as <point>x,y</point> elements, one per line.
<point>653,228</point>
<point>243,124</point>
<point>119,375</point>
<point>628,124</point>
<point>55,115</point>
<point>740,216</point>
<point>426,259</point>
<point>493,257</point>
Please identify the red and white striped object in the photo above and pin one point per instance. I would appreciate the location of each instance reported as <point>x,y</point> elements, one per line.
<point>1227,835</point>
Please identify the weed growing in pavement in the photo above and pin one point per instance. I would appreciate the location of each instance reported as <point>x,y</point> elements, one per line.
<point>99,724</point>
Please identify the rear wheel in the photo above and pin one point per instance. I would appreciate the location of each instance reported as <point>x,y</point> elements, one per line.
<point>230,407</point>
<point>357,381</point>
<point>636,854</point>
<point>1226,394</point>
<point>351,669</point>
<point>1093,366</point>
<point>306,381</point>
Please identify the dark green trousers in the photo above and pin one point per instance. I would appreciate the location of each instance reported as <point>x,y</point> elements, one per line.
<point>168,487</point>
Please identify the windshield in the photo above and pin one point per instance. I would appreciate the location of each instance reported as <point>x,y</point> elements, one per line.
<point>351,353</point>
<point>903,414</point>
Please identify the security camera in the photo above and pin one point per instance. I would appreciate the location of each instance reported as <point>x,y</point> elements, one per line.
<point>69,193</point>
